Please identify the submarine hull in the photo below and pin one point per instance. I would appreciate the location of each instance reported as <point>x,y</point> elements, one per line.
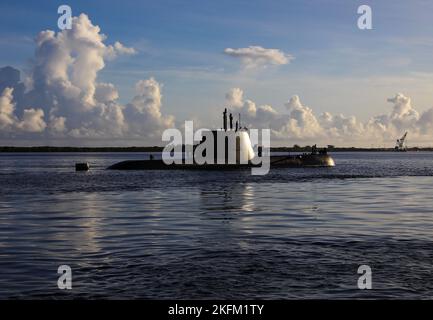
<point>307,160</point>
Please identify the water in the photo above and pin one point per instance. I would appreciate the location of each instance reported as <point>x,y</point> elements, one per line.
<point>295,233</point>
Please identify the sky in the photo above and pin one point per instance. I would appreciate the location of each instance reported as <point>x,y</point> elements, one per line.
<point>127,70</point>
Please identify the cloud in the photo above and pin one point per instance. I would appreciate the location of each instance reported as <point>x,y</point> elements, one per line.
<point>234,97</point>
<point>256,56</point>
<point>57,124</point>
<point>145,110</point>
<point>302,121</point>
<point>7,108</point>
<point>148,98</point>
<point>118,49</point>
<point>32,120</point>
<point>106,92</point>
<point>62,97</point>
<point>301,125</point>
<point>403,113</point>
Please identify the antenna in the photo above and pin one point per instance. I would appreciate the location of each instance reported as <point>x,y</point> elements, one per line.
<point>240,121</point>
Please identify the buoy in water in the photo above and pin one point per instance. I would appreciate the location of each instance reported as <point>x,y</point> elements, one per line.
<point>83,166</point>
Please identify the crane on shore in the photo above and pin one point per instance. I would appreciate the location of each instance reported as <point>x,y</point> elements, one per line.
<point>401,143</point>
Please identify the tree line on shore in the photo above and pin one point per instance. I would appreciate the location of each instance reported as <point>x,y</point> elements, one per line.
<point>295,148</point>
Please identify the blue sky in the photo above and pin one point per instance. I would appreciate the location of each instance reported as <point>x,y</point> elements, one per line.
<point>336,67</point>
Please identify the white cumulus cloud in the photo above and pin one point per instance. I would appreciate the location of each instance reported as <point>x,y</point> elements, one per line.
<point>301,125</point>
<point>32,119</point>
<point>145,109</point>
<point>7,108</point>
<point>70,101</point>
<point>257,56</point>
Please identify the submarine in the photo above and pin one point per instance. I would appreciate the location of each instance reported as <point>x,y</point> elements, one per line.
<point>243,156</point>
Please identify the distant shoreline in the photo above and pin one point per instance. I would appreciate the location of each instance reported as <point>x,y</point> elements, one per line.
<point>6,149</point>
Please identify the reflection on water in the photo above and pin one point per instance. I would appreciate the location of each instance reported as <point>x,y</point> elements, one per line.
<point>177,234</point>
<point>227,198</point>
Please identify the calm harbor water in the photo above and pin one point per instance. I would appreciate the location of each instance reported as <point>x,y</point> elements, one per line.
<point>294,233</point>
